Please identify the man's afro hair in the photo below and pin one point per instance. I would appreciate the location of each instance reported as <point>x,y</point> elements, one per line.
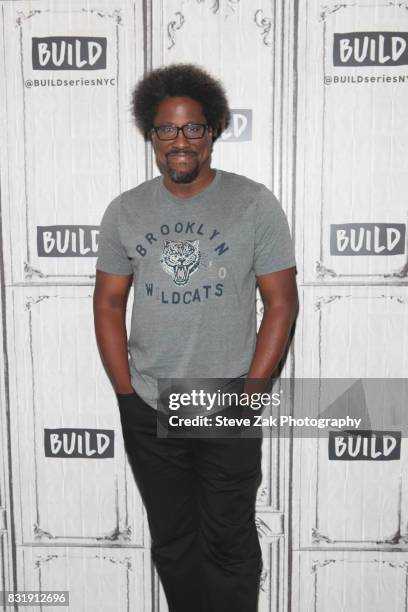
<point>180,80</point>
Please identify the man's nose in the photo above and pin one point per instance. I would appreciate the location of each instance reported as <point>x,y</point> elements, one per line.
<point>180,138</point>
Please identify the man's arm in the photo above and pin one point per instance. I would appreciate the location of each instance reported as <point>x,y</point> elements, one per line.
<point>109,305</point>
<point>279,295</point>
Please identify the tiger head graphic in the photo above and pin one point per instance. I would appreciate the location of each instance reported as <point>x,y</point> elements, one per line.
<point>180,259</point>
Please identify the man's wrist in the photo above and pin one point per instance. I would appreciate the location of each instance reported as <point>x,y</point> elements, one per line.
<point>125,393</point>
<point>255,385</point>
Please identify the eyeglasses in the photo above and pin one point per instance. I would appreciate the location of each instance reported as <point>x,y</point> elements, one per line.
<point>190,131</point>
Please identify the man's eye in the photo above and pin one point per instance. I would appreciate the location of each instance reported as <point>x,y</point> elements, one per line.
<point>193,128</point>
<point>166,129</point>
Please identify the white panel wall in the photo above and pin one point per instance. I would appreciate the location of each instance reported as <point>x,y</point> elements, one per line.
<point>352,325</point>
<point>375,581</point>
<point>78,500</point>
<point>351,166</point>
<point>67,149</point>
<point>122,577</point>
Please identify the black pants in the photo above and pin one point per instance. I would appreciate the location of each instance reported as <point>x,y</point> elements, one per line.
<point>199,495</point>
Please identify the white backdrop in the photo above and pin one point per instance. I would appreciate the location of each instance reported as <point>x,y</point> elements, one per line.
<point>319,99</point>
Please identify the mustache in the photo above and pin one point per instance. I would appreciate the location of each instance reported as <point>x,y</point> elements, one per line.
<point>181,151</point>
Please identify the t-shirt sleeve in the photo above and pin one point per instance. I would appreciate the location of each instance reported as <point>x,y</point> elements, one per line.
<point>112,255</point>
<point>273,244</point>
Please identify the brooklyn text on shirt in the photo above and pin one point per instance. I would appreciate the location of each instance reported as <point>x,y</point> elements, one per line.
<point>188,228</point>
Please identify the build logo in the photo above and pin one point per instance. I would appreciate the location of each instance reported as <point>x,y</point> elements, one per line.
<point>367,239</point>
<point>67,240</point>
<point>69,53</point>
<point>370,49</point>
<point>240,127</point>
<point>79,443</point>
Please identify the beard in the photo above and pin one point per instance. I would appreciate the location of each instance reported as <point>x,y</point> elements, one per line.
<point>180,175</point>
<point>183,177</point>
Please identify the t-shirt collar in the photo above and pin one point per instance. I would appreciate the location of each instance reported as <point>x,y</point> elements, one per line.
<point>170,197</point>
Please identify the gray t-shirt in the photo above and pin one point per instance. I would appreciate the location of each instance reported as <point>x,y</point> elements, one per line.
<point>194,262</point>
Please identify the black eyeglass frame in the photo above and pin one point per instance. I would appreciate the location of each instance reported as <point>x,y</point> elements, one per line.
<point>206,126</point>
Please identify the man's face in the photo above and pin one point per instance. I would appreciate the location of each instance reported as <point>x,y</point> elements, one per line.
<point>182,159</point>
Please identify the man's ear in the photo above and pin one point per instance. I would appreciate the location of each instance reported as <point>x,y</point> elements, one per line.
<point>214,133</point>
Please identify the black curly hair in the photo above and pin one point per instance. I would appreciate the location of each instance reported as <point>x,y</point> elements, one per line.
<point>180,80</point>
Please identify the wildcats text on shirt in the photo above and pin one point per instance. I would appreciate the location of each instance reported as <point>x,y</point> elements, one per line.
<point>184,297</point>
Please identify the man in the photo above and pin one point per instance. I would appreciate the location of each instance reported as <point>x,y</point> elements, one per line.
<point>196,241</point>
